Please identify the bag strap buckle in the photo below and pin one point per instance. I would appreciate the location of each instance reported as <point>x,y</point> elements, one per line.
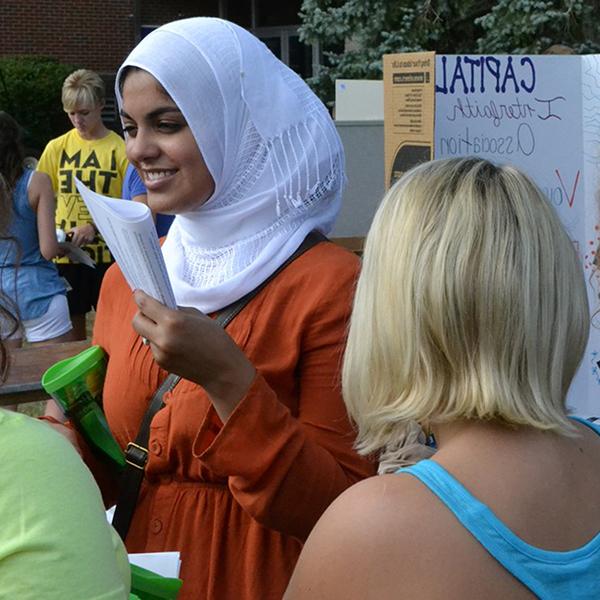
<point>136,456</point>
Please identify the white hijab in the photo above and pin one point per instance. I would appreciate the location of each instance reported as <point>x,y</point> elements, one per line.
<point>269,144</point>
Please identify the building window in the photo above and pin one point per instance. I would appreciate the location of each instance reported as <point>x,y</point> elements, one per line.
<point>285,44</point>
<point>276,24</point>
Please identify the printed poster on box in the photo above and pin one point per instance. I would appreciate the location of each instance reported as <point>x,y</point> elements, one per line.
<point>539,113</point>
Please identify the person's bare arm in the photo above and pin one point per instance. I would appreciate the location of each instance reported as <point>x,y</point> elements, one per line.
<point>43,203</point>
<point>365,545</point>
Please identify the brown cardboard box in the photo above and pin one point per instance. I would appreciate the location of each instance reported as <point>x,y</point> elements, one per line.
<point>409,111</point>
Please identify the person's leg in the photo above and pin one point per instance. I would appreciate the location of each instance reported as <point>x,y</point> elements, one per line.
<point>79,278</point>
<point>14,343</point>
<point>79,329</point>
<point>99,274</point>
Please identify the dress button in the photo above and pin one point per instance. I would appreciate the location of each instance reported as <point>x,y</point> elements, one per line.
<point>156,526</point>
<point>155,447</point>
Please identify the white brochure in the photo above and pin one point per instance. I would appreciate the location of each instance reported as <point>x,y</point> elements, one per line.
<point>129,232</point>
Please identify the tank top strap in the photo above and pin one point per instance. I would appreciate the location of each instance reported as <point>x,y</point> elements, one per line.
<point>472,513</point>
<point>542,571</point>
<point>593,424</point>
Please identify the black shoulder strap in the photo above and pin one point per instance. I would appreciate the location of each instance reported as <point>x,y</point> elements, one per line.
<point>136,453</point>
<point>136,457</point>
<point>227,314</point>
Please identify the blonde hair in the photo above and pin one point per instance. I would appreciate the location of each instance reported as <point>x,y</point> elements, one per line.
<point>471,304</point>
<point>83,89</point>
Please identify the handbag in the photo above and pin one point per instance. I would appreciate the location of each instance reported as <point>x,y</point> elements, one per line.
<point>136,453</point>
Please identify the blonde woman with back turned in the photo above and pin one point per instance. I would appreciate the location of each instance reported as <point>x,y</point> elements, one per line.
<point>469,323</point>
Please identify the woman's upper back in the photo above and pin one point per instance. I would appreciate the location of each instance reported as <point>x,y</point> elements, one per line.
<point>532,503</point>
<point>34,281</point>
<point>23,224</point>
<point>549,538</point>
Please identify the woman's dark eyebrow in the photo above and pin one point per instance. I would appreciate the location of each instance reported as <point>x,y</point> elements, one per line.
<point>157,112</point>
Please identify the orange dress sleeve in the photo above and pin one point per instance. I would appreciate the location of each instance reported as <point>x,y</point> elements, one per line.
<point>287,463</point>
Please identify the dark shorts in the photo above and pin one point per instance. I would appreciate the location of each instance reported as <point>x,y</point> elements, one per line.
<point>85,283</point>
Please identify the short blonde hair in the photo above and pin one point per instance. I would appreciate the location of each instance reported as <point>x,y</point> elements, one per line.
<point>471,304</point>
<point>83,89</point>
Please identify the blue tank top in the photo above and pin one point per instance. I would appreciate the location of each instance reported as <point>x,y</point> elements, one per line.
<point>548,574</point>
<point>35,282</point>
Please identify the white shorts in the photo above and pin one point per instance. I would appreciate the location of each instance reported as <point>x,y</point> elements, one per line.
<point>55,322</point>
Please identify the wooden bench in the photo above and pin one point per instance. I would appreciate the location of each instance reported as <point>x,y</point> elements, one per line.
<point>354,244</point>
<point>27,365</point>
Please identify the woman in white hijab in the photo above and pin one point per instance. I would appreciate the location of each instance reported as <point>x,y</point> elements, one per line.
<point>254,442</point>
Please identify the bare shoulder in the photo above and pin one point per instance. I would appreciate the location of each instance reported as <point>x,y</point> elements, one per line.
<point>367,540</point>
<point>379,498</point>
<point>40,182</point>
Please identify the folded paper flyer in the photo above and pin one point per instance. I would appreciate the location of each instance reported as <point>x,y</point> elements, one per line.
<point>129,232</point>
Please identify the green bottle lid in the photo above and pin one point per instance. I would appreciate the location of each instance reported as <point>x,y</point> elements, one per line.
<point>65,371</point>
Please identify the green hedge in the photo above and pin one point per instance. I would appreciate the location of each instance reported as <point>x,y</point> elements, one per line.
<point>30,88</point>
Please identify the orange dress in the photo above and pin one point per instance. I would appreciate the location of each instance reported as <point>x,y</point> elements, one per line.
<point>238,499</point>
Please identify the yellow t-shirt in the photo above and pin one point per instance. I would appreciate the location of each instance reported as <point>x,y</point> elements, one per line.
<point>99,164</point>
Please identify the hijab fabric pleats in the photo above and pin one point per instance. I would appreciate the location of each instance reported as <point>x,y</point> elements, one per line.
<point>269,144</point>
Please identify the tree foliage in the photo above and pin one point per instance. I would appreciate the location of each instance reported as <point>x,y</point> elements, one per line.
<point>30,90</point>
<point>531,26</point>
<point>354,34</point>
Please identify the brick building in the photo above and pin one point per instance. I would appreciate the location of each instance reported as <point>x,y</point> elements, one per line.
<point>98,34</point>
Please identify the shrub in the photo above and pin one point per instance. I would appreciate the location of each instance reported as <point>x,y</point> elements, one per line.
<point>30,90</point>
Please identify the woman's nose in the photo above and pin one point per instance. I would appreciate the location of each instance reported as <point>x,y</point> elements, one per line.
<point>141,147</point>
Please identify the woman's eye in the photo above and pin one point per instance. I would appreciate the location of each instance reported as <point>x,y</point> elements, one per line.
<point>130,130</point>
<point>168,126</point>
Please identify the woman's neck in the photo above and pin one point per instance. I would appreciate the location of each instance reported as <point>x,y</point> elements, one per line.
<point>449,435</point>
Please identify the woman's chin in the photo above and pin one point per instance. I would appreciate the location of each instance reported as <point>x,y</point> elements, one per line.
<point>160,205</point>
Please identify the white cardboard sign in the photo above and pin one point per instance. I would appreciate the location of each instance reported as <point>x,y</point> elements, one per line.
<point>542,114</point>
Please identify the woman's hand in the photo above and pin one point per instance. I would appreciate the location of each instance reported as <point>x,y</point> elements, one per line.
<point>190,344</point>
<point>83,234</point>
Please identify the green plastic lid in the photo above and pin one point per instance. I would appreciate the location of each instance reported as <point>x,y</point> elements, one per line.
<point>65,371</point>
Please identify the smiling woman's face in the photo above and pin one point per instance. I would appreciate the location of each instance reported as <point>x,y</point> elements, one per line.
<point>160,145</point>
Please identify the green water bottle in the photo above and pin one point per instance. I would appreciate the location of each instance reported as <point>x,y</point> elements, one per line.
<point>147,585</point>
<point>76,384</point>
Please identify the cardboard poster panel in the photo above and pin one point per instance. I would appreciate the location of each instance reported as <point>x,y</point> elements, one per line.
<point>408,105</point>
<point>541,114</point>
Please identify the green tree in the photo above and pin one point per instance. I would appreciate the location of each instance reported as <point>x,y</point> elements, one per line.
<point>531,26</point>
<point>30,90</point>
<point>354,34</point>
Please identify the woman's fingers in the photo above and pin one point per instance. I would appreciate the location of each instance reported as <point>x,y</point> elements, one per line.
<point>149,306</point>
<point>166,329</point>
